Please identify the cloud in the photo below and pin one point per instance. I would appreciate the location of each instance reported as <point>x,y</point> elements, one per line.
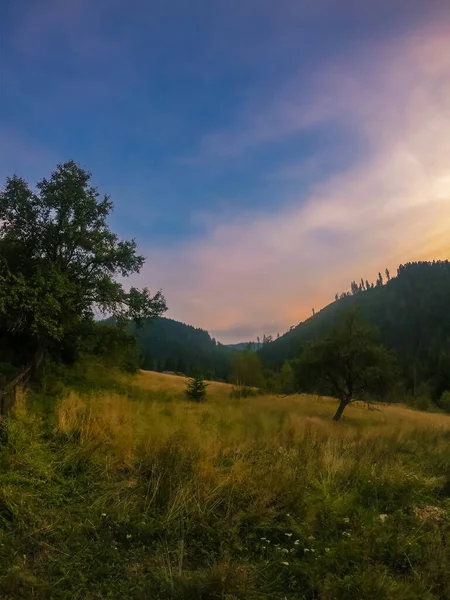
<point>391,207</point>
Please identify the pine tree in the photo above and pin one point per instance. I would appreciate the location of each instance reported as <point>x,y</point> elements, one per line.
<point>388,275</point>
<point>196,389</point>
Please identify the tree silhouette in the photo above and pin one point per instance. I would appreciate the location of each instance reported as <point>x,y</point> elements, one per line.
<point>348,364</point>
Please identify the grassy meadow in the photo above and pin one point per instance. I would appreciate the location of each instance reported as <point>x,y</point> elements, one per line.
<point>124,489</point>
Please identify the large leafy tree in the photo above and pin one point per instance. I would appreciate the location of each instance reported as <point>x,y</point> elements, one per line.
<point>60,262</point>
<point>348,363</point>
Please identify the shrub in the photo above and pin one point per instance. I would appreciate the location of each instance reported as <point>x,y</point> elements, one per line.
<point>243,391</point>
<point>196,389</point>
<point>444,402</point>
<point>422,403</point>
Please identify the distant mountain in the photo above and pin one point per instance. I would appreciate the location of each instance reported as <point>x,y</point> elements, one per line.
<point>170,345</point>
<point>244,346</point>
<point>411,312</point>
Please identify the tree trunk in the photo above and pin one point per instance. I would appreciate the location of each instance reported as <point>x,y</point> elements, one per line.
<point>340,410</point>
<point>37,361</point>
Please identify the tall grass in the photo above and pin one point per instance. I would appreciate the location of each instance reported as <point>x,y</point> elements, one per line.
<point>145,495</point>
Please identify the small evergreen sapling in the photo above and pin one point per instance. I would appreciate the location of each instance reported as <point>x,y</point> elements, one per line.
<point>196,389</point>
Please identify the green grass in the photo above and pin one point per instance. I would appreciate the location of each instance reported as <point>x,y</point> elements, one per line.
<point>123,489</point>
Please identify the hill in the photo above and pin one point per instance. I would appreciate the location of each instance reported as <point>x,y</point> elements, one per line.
<point>411,313</point>
<point>169,345</point>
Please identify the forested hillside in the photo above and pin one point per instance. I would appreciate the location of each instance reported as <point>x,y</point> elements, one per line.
<point>409,310</point>
<point>169,345</point>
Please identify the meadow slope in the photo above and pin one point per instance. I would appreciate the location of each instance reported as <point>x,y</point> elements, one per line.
<point>126,489</point>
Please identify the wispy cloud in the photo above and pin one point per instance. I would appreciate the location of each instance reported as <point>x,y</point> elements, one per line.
<point>392,207</point>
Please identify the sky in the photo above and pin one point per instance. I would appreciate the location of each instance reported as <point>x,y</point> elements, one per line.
<point>263,153</point>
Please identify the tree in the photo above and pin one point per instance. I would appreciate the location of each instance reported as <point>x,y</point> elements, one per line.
<point>348,364</point>
<point>59,261</point>
<point>380,280</point>
<point>245,369</point>
<point>286,378</point>
<point>367,284</point>
<point>196,389</point>
<point>388,275</point>
<point>336,297</point>
<point>354,288</point>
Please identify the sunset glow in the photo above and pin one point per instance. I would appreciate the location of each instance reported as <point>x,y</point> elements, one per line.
<point>260,168</point>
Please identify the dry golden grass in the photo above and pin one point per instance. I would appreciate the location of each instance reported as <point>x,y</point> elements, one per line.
<point>263,497</point>
<point>223,424</point>
<point>151,380</point>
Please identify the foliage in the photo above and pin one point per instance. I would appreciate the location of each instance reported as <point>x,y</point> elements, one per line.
<point>245,369</point>
<point>121,495</point>
<point>411,314</point>
<point>196,389</point>
<point>243,391</point>
<point>59,260</point>
<point>444,401</point>
<point>347,363</point>
<point>169,345</point>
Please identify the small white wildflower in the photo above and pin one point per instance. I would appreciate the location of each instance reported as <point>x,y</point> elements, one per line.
<point>312,550</point>
<point>285,550</point>
<point>327,549</point>
<point>285,563</point>
<point>264,547</point>
<point>288,534</point>
<point>306,549</point>
<point>263,539</point>
<point>128,536</point>
<point>346,520</point>
<point>288,515</point>
<point>346,533</point>
<point>297,542</point>
<point>103,514</point>
<point>311,537</point>
<point>292,550</point>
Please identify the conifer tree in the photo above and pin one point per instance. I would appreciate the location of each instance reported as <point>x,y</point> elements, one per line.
<point>196,389</point>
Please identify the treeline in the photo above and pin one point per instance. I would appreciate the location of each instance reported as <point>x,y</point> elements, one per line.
<point>169,345</point>
<point>411,316</point>
<point>364,285</point>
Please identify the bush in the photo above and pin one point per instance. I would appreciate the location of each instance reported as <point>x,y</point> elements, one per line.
<point>422,403</point>
<point>196,389</point>
<point>444,402</point>
<point>243,391</point>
